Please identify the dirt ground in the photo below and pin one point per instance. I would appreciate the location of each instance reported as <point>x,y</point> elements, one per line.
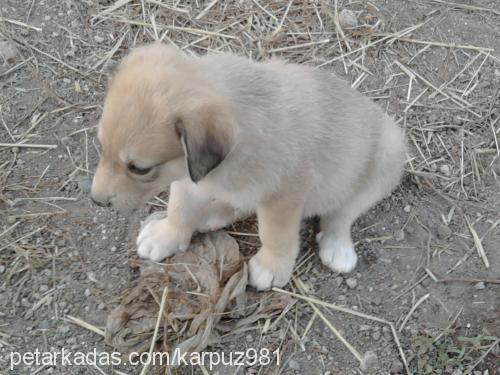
<point>429,253</point>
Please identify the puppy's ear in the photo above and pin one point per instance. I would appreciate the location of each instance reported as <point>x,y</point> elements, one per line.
<point>206,132</point>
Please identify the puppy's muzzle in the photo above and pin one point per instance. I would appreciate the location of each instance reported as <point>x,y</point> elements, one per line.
<point>100,203</point>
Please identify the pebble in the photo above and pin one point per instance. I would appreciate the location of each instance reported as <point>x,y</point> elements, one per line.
<point>396,367</point>
<point>445,169</point>
<point>85,184</point>
<point>338,281</point>
<point>480,285</point>
<point>2,268</point>
<point>433,118</point>
<point>347,18</point>
<point>407,208</point>
<point>377,300</point>
<point>294,365</point>
<point>399,235</point>
<point>249,338</point>
<point>11,219</point>
<point>8,52</point>
<point>443,231</point>
<point>98,39</point>
<point>351,282</point>
<point>370,361</point>
<point>87,292</point>
<point>44,288</point>
<point>376,335</point>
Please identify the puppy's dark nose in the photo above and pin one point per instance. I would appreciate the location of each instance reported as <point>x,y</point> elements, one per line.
<point>101,203</point>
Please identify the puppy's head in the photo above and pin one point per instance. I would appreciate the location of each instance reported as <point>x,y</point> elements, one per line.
<point>159,117</point>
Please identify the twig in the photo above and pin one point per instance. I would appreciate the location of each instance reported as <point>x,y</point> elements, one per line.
<point>477,243</point>
<point>27,145</point>
<point>412,310</point>
<point>157,326</point>
<point>85,325</point>
<point>22,24</point>
<point>465,6</point>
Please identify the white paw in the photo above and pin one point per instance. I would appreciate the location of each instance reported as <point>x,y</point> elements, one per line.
<point>263,276</point>
<point>338,254</point>
<point>158,240</point>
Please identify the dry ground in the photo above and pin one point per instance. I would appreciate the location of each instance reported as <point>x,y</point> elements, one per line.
<point>429,254</point>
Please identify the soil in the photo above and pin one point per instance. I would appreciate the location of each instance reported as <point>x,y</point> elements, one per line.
<point>62,256</point>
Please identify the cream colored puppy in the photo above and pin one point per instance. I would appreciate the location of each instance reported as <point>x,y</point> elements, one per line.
<point>232,137</point>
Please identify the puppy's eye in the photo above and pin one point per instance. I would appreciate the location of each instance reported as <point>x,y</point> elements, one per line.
<point>136,170</point>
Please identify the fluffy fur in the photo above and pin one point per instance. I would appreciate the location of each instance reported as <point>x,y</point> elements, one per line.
<point>233,137</point>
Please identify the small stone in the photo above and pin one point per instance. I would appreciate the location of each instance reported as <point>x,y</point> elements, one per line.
<point>407,208</point>
<point>445,169</point>
<point>480,285</point>
<point>347,18</point>
<point>351,282</point>
<point>338,281</point>
<point>85,184</point>
<point>249,338</point>
<point>399,235</point>
<point>443,231</point>
<point>98,39</point>
<point>396,367</point>
<point>11,219</point>
<point>376,335</point>
<point>25,302</point>
<point>87,292</point>
<point>370,361</point>
<point>364,327</point>
<point>294,365</point>
<point>8,52</point>
<point>2,268</point>
<point>44,288</point>
<point>433,118</point>
<point>44,324</point>
<point>101,306</point>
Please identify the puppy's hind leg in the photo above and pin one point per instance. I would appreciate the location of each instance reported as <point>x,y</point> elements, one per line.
<point>336,248</point>
<point>335,243</point>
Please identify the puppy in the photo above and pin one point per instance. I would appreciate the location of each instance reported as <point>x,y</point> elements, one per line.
<point>232,137</point>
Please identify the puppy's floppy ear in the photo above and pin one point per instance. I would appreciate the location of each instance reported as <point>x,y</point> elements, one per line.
<point>206,130</point>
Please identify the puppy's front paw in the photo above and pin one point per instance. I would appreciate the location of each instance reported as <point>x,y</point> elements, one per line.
<point>266,270</point>
<point>159,239</point>
<point>337,254</point>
